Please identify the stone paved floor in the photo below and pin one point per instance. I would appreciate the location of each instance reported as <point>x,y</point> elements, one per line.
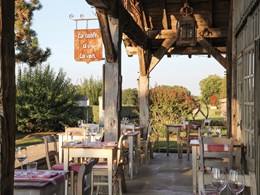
<point>164,176</point>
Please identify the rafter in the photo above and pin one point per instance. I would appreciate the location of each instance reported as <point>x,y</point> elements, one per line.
<point>164,20</point>
<point>167,34</point>
<point>158,55</point>
<point>213,51</point>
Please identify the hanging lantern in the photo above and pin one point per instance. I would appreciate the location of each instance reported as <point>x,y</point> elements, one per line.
<point>187,28</point>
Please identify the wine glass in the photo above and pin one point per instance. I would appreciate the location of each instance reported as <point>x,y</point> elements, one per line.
<point>236,181</point>
<point>218,179</point>
<point>21,155</point>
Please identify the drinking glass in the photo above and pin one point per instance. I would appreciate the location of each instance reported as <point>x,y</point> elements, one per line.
<point>21,155</point>
<point>31,168</point>
<point>236,181</point>
<point>218,179</point>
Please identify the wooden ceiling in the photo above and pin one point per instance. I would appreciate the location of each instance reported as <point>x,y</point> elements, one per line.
<point>158,19</point>
<point>151,25</point>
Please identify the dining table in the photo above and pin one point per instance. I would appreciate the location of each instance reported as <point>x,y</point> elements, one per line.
<point>194,143</point>
<point>40,182</point>
<point>174,128</point>
<point>78,149</point>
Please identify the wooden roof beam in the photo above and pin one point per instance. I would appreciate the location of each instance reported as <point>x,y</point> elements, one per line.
<point>213,51</point>
<point>110,52</point>
<point>161,51</point>
<point>196,50</point>
<point>130,28</point>
<point>164,20</point>
<point>167,34</point>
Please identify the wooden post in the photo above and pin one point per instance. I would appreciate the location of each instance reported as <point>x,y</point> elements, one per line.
<point>112,82</point>
<point>7,97</point>
<point>257,113</point>
<point>143,84</point>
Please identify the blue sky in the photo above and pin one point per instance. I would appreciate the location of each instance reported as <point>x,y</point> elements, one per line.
<point>56,30</point>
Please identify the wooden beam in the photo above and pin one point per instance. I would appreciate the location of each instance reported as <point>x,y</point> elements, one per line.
<point>196,50</point>
<point>144,61</point>
<point>164,20</point>
<point>112,88</point>
<point>110,52</point>
<point>158,55</point>
<point>7,96</point>
<point>129,26</point>
<point>167,34</point>
<point>213,51</point>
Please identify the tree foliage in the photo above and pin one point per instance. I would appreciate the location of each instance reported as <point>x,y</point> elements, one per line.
<point>130,97</point>
<point>92,88</point>
<point>168,104</point>
<point>209,86</point>
<point>26,41</point>
<point>45,101</point>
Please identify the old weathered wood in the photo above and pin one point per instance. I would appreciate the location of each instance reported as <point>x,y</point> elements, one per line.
<point>167,34</point>
<point>164,20</point>
<point>112,88</point>
<point>106,35</point>
<point>257,111</point>
<point>158,55</point>
<point>7,97</point>
<point>179,51</point>
<point>143,101</point>
<point>213,51</point>
<point>229,73</point>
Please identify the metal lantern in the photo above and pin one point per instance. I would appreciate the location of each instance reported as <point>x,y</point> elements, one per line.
<point>187,28</point>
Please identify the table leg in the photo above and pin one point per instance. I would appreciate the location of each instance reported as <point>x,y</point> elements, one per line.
<point>194,169</point>
<point>110,173</point>
<point>130,139</point>
<point>167,141</point>
<point>66,166</point>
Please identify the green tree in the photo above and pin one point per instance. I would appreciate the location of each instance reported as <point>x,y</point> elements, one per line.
<point>130,97</point>
<point>26,42</point>
<point>168,104</point>
<point>209,86</point>
<point>45,101</point>
<point>92,88</point>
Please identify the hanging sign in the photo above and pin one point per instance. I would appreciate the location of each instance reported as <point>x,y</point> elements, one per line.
<point>87,45</point>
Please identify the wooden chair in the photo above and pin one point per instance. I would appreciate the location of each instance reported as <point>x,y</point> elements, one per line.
<point>101,170</point>
<point>128,127</point>
<point>146,147</point>
<point>187,132</point>
<point>205,127</point>
<point>75,133</point>
<point>51,153</point>
<point>215,152</point>
<point>84,178</point>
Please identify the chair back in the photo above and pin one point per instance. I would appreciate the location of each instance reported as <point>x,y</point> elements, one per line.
<point>91,126</point>
<point>128,127</point>
<point>205,127</point>
<point>84,178</point>
<point>121,149</point>
<point>73,133</point>
<point>51,150</point>
<point>216,152</point>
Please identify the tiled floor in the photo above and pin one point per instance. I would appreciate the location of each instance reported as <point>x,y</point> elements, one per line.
<point>164,176</point>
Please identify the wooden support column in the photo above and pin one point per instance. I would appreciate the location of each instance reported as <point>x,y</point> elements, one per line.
<point>7,97</point>
<point>112,85</point>
<point>257,112</point>
<point>229,75</point>
<point>143,91</point>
